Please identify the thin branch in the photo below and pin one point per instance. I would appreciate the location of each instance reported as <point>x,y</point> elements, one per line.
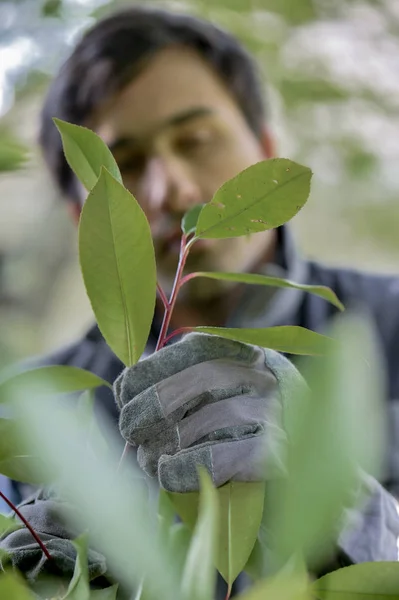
<point>27,525</point>
<point>163,297</point>
<point>228,593</point>
<point>188,277</point>
<point>177,332</point>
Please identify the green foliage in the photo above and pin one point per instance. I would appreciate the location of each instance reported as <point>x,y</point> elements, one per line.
<point>279,588</point>
<point>190,219</point>
<point>262,197</point>
<point>8,524</point>
<point>79,588</point>
<point>237,536</point>
<point>118,265</point>
<point>285,338</point>
<point>329,433</point>
<point>15,459</point>
<point>86,154</point>
<point>13,154</point>
<point>50,380</point>
<point>379,581</point>
<point>256,279</point>
<point>113,507</point>
<point>198,580</point>
<point>13,588</point>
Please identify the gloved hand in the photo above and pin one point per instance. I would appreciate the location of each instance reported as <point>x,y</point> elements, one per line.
<point>207,401</point>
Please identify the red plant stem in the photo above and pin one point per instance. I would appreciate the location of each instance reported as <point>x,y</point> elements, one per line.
<point>163,297</point>
<point>228,593</point>
<point>29,527</point>
<point>173,296</point>
<point>188,277</point>
<point>169,306</point>
<point>177,332</point>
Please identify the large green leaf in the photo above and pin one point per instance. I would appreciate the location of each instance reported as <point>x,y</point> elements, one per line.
<point>109,593</point>
<point>198,581</point>
<point>49,380</point>
<point>366,581</point>
<point>118,264</point>
<point>279,588</point>
<point>111,506</point>
<point>262,197</point>
<point>237,535</point>
<point>287,338</point>
<point>256,279</point>
<point>333,432</point>
<point>12,587</point>
<point>15,459</point>
<point>86,153</point>
<point>79,587</point>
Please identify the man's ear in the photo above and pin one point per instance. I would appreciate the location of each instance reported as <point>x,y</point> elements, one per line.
<point>268,143</point>
<point>74,210</point>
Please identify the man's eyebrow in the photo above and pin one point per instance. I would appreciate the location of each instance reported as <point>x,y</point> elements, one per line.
<point>173,121</point>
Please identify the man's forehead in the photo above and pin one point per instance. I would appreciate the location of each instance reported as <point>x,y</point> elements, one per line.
<point>173,83</point>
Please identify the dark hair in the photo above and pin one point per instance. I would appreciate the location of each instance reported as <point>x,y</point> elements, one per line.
<point>111,53</point>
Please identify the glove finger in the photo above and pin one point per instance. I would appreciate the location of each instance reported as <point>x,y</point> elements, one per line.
<point>254,458</point>
<point>192,349</point>
<point>230,419</point>
<point>169,401</point>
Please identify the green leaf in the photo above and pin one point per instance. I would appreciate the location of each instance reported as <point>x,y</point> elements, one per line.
<point>118,265</point>
<point>166,514</point>
<point>86,153</point>
<point>109,593</point>
<point>15,460</point>
<point>57,379</point>
<point>377,580</point>
<point>287,338</point>
<point>334,431</point>
<point>13,154</point>
<point>79,587</point>
<point>279,588</point>
<point>237,536</point>
<point>113,507</point>
<point>256,279</point>
<point>12,587</point>
<point>198,581</point>
<point>190,219</point>
<point>262,197</point>
<point>8,525</point>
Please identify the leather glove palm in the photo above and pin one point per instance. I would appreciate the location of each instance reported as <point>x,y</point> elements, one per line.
<point>207,401</point>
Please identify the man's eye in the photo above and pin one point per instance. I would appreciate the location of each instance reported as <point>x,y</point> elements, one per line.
<point>131,163</point>
<point>195,141</point>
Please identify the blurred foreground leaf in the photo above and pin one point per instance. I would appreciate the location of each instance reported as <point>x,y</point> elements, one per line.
<point>198,581</point>
<point>379,581</point>
<point>333,432</point>
<point>112,507</point>
<point>12,587</point>
<point>79,587</point>
<point>237,535</point>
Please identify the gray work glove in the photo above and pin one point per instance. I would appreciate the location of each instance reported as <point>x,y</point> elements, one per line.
<point>207,401</point>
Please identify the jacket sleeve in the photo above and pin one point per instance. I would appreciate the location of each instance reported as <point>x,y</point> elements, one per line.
<point>49,518</point>
<point>371,532</point>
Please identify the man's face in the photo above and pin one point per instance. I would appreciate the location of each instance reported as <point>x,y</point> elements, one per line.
<point>177,136</point>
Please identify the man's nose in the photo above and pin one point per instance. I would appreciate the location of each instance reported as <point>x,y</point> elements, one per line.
<point>168,185</point>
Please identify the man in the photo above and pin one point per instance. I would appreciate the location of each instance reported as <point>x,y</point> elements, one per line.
<point>180,105</point>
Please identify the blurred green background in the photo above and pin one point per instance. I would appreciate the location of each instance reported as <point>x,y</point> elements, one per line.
<point>331,70</point>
